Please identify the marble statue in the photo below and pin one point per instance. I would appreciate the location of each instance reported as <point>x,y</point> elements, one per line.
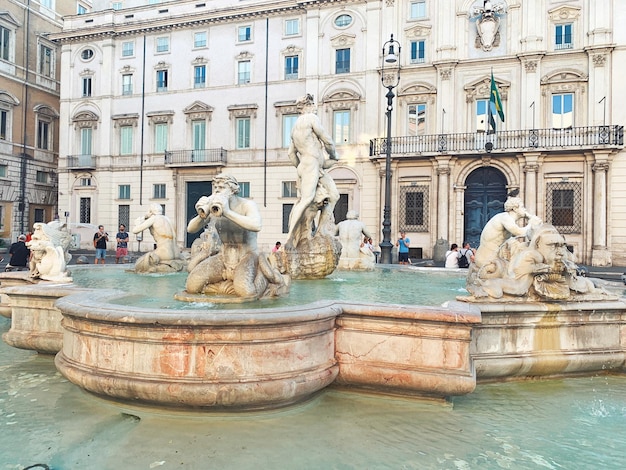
<point>355,255</point>
<point>515,263</point>
<point>49,247</point>
<point>237,272</point>
<point>165,257</point>
<point>488,24</point>
<point>312,251</point>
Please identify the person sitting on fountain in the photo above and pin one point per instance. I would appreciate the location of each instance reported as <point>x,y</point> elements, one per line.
<point>165,256</point>
<point>317,190</point>
<point>237,269</point>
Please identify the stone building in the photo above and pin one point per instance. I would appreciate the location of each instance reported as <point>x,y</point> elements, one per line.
<point>156,99</point>
<point>29,111</point>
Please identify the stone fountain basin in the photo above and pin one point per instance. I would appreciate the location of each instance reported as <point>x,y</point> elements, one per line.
<point>264,358</point>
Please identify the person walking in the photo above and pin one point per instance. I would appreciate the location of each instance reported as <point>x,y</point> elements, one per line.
<point>122,244</point>
<point>100,240</point>
<point>403,244</point>
<point>20,254</point>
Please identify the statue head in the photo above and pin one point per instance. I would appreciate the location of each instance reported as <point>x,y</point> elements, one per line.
<point>305,103</point>
<point>155,209</point>
<point>550,244</point>
<point>352,215</point>
<point>227,180</point>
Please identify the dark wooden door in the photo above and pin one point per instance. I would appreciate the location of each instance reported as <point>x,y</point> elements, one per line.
<point>195,189</point>
<point>485,194</point>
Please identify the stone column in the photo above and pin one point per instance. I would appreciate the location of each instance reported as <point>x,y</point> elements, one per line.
<point>443,197</point>
<point>530,187</point>
<point>600,255</point>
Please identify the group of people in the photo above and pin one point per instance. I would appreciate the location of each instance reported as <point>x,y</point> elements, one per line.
<point>460,258</point>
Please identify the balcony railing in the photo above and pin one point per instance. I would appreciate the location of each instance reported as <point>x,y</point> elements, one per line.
<point>518,140</point>
<point>196,157</point>
<point>81,162</point>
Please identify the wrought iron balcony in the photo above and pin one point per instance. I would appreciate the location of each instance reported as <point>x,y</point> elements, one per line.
<point>507,141</point>
<point>81,162</point>
<point>204,157</point>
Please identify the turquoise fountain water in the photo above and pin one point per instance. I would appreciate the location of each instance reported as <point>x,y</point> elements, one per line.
<point>554,424</point>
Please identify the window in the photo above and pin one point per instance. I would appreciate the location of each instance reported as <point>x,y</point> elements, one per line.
<point>45,61</point>
<point>290,189</point>
<point>46,3</point>
<point>86,87</point>
<point>563,36</point>
<point>245,33</point>
<point>39,215</point>
<point>417,52</point>
<point>86,54</point>
<point>42,177</point>
<point>417,119</point>
<point>160,137</point>
<point>5,43</point>
<point>161,80</point>
<point>198,130</point>
<point>286,213</point>
<point>481,115</point>
<point>417,9</point>
<point>158,191</point>
<point>128,49</point>
<point>243,133</point>
<point>85,140</point>
<point>85,210</point>
<point>244,189</point>
<point>3,171</point>
<point>81,10</point>
<point>43,135</point>
<point>341,127</point>
<point>564,206</point>
<point>85,181</point>
<point>291,67</point>
<point>123,191</point>
<point>127,84</point>
<point>292,27</point>
<point>126,140</point>
<point>563,111</point>
<point>199,76</point>
<point>118,5</point>
<point>4,124</point>
<point>288,121</point>
<point>414,208</point>
<point>199,39</point>
<point>243,72</point>
<point>342,61</point>
<point>163,44</point>
<point>123,215</point>
<point>343,20</point>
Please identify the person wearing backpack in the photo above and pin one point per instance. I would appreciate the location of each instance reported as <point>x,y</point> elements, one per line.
<point>466,255</point>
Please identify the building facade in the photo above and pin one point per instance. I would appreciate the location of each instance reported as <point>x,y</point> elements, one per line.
<point>158,99</point>
<point>29,112</point>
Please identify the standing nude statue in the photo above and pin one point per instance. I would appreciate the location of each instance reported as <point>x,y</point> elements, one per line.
<point>317,190</point>
<point>354,254</point>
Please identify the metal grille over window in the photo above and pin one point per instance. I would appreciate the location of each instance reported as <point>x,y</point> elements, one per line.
<point>414,208</point>
<point>564,206</point>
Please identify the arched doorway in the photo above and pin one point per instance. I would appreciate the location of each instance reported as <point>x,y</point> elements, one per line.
<point>485,194</point>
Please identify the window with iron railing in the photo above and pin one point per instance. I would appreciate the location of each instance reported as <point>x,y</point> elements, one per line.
<point>564,206</point>
<point>414,208</point>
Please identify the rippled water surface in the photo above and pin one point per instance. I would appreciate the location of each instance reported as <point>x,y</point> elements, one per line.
<point>390,285</point>
<point>557,424</point>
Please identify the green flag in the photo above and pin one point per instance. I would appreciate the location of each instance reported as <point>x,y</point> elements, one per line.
<point>495,98</point>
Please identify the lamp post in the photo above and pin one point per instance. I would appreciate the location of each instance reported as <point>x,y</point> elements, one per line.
<point>390,77</point>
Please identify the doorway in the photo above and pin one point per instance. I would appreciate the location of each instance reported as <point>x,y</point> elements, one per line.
<point>485,194</point>
<point>195,190</point>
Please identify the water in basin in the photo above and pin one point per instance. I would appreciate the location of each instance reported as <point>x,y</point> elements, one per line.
<point>554,424</point>
<point>426,286</point>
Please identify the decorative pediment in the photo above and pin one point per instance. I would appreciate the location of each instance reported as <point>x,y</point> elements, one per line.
<point>87,73</point>
<point>481,89</point>
<point>122,120</point>
<point>564,13</point>
<point>7,98</point>
<point>564,76</point>
<point>160,117</point>
<point>418,89</point>
<point>7,17</point>
<point>198,110</point>
<point>45,110</point>
<point>291,49</point>
<point>419,31</point>
<point>286,107</point>
<point>162,65</point>
<point>127,69</point>
<point>244,55</point>
<point>85,119</point>
<point>342,99</point>
<point>200,60</point>
<point>343,40</point>
<point>242,110</point>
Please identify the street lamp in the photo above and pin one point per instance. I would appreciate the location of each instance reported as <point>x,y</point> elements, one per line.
<point>390,77</point>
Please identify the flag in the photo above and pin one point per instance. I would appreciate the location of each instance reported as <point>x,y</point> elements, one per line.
<point>495,99</point>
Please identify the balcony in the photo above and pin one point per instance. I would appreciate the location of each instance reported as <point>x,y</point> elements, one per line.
<point>81,162</point>
<point>575,138</point>
<point>204,157</point>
